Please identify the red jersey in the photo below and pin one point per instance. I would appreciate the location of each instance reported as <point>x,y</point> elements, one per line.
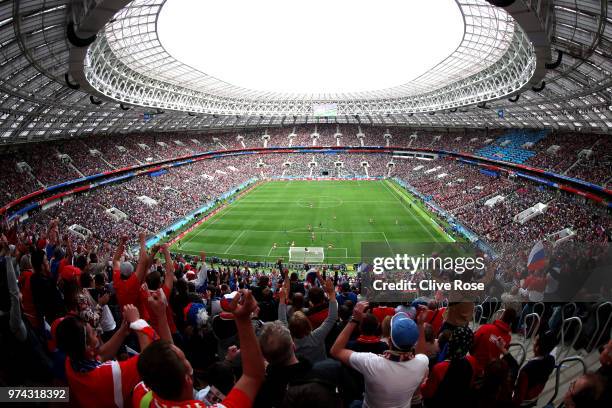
<point>143,397</point>
<point>382,311</point>
<point>108,385</point>
<point>27,299</point>
<point>127,290</point>
<point>435,318</point>
<point>318,317</point>
<point>535,283</point>
<point>484,348</point>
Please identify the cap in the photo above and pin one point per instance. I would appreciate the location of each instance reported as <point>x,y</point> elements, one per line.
<point>126,269</point>
<point>69,272</point>
<point>226,300</point>
<point>195,314</point>
<point>404,332</point>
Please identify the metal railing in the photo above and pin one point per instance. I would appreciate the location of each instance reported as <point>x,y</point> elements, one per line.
<point>565,328</point>
<point>558,368</point>
<point>531,330</point>
<point>598,327</point>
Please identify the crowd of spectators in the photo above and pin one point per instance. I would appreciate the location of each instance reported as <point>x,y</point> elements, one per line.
<point>82,159</point>
<point>161,330</point>
<point>491,222</point>
<point>136,149</point>
<point>45,164</point>
<point>449,183</point>
<point>15,183</point>
<point>564,155</point>
<point>597,167</point>
<point>175,193</point>
<point>458,188</point>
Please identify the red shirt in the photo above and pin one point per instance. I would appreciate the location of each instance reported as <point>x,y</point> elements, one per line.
<point>484,348</point>
<point>435,318</point>
<point>437,374</point>
<point>535,283</point>
<point>382,311</point>
<point>235,399</point>
<point>317,318</point>
<point>127,290</point>
<point>104,386</point>
<point>27,300</point>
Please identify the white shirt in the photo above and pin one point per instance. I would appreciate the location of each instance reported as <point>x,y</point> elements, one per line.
<point>107,321</point>
<point>389,384</point>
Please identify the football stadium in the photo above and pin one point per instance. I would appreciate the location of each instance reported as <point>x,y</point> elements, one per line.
<point>279,204</point>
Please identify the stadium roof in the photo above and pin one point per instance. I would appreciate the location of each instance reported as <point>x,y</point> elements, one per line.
<point>97,66</point>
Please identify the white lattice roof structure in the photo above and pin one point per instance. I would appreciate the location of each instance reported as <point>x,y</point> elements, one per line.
<point>72,68</point>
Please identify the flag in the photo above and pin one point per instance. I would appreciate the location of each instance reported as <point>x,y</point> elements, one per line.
<point>537,257</point>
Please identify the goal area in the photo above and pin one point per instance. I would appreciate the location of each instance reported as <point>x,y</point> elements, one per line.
<point>309,255</point>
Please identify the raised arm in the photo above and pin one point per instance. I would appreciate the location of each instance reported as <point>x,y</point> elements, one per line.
<point>119,252</point>
<point>339,350</point>
<point>282,302</point>
<point>321,332</point>
<point>169,278</point>
<point>108,350</point>
<point>145,333</point>
<point>421,345</point>
<point>68,245</point>
<point>53,232</point>
<point>253,369</point>
<point>143,259</point>
<point>158,307</point>
<point>16,323</point>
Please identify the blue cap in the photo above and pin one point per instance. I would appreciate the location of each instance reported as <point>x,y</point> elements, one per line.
<point>404,332</point>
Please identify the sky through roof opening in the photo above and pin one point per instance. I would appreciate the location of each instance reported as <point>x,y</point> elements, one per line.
<point>311,46</point>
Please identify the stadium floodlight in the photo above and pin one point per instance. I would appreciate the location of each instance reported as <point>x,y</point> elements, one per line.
<point>306,255</point>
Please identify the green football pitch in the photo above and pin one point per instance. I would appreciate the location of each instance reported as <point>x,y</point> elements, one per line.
<point>336,215</point>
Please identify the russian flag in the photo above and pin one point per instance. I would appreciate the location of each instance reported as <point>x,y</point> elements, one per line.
<point>537,257</point>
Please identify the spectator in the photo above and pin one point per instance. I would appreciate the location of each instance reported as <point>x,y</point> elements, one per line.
<point>368,341</point>
<point>484,349</point>
<point>449,382</point>
<point>588,391</point>
<point>533,376</point>
<point>318,308</point>
<point>346,294</point>
<point>457,314</point>
<point>391,379</point>
<point>45,294</point>
<point>432,348</point>
<point>268,310</point>
<point>496,388</point>
<point>382,311</point>
<point>93,375</point>
<point>126,283</point>
<point>312,394</point>
<point>284,367</point>
<point>297,304</point>
<point>310,343</point>
<point>167,375</point>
